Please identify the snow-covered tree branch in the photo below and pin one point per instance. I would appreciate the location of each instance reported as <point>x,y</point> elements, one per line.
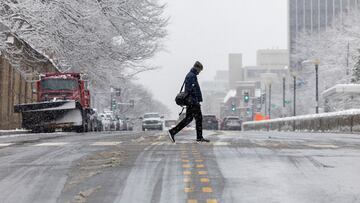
<point>336,49</point>
<point>108,39</point>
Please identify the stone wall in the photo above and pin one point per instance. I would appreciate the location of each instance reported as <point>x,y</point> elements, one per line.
<point>14,89</point>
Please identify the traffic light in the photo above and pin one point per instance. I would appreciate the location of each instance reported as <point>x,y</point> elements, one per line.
<point>233,107</point>
<point>113,104</point>
<point>246,97</point>
<point>118,92</point>
<point>249,111</point>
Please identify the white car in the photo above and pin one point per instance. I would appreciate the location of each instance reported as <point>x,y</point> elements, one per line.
<point>106,121</point>
<point>152,121</point>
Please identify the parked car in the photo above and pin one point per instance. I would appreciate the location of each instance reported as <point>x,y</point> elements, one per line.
<point>106,121</point>
<point>95,121</point>
<point>170,123</point>
<point>231,123</point>
<point>210,122</point>
<point>152,121</point>
<point>128,124</point>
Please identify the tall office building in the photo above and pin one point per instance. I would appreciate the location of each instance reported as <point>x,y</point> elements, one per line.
<point>314,16</point>
<point>235,69</point>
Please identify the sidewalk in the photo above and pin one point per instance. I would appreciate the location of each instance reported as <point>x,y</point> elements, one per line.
<point>13,132</point>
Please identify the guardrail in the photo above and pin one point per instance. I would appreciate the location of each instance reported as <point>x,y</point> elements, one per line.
<point>342,121</point>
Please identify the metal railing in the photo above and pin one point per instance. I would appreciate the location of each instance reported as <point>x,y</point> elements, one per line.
<point>345,121</point>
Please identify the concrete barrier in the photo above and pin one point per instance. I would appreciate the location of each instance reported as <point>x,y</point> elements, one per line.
<point>343,121</point>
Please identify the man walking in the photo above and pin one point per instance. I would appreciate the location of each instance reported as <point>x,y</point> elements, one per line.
<point>194,109</point>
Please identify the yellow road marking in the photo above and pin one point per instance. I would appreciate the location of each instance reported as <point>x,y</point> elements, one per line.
<point>185,161</point>
<point>198,160</point>
<point>187,189</point>
<point>200,166</point>
<point>207,189</point>
<point>192,201</point>
<point>204,180</point>
<point>186,165</point>
<point>211,201</point>
<point>202,172</point>
<point>323,146</point>
<point>187,180</point>
<point>187,172</point>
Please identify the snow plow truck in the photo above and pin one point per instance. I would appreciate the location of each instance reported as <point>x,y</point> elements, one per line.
<point>63,102</point>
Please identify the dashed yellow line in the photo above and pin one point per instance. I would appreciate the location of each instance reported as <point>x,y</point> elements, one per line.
<point>202,172</point>
<point>199,160</point>
<point>187,180</point>
<point>185,161</point>
<point>207,189</point>
<point>188,189</point>
<point>186,165</point>
<point>211,201</point>
<point>200,166</point>
<point>192,201</point>
<point>187,172</point>
<point>204,180</point>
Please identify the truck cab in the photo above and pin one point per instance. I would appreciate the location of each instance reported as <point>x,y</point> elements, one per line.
<point>63,86</point>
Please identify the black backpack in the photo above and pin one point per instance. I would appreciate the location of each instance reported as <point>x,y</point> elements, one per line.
<point>183,98</point>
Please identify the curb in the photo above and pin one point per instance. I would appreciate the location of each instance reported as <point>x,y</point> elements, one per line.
<point>13,132</point>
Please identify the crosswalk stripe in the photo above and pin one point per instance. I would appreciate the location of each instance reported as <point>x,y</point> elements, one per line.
<point>221,143</point>
<point>5,144</point>
<point>159,143</point>
<point>323,146</point>
<point>51,144</point>
<point>105,143</point>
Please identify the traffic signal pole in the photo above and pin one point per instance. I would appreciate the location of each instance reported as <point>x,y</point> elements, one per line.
<point>269,101</point>
<point>317,87</point>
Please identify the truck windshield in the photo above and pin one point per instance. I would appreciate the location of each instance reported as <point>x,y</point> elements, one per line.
<point>58,84</point>
<point>153,115</point>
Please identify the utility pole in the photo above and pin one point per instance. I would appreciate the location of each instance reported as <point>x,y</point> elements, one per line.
<point>347,58</point>
<point>294,108</point>
<point>284,92</point>
<point>265,101</point>
<point>317,87</point>
<point>270,101</point>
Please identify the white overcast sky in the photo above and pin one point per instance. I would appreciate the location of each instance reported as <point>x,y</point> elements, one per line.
<point>208,30</point>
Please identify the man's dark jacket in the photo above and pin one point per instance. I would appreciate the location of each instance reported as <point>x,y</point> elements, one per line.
<point>192,86</point>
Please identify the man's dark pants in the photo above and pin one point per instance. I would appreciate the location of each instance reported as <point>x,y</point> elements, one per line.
<point>191,113</point>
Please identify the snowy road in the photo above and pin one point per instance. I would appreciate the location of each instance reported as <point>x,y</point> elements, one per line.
<point>145,167</point>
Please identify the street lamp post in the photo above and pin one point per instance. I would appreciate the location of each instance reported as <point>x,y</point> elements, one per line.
<point>316,62</point>
<point>284,80</point>
<point>268,78</point>
<point>294,108</point>
<point>270,100</point>
<point>265,101</point>
<point>317,87</point>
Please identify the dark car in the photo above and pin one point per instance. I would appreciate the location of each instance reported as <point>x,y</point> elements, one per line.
<point>210,122</point>
<point>231,123</point>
